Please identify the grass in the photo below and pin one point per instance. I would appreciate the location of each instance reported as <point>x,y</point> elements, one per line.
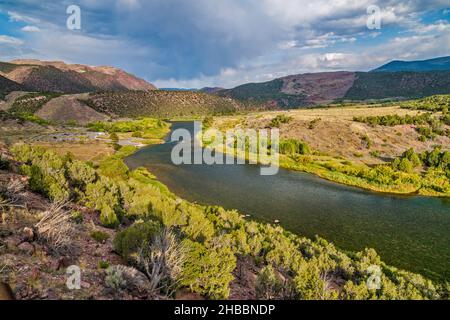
<point>99,236</point>
<point>93,151</point>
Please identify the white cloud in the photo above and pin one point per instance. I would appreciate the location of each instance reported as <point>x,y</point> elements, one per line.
<point>10,40</point>
<point>15,16</point>
<point>31,29</point>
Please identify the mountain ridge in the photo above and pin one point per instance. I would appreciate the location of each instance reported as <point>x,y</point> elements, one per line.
<point>309,89</point>
<point>435,64</point>
<point>58,76</point>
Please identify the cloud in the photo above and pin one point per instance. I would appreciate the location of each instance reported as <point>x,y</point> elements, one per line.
<point>10,40</point>
<point>31,29</point>
<point>227,42</point>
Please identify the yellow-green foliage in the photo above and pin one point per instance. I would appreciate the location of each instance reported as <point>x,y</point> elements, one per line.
<point>432,103</point>
<point>213,237</point>
<point>147,128</point>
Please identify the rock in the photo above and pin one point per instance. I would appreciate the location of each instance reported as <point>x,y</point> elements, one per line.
<point>63,262</point>
<point>26,247</point>
<point>136,282</point>
<point>28,234</point>
<point>85,285</point>
<point>54,264</point>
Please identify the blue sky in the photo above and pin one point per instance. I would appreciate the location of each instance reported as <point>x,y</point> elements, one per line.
<point>196,43</point>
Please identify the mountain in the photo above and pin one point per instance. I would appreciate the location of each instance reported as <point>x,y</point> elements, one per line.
<point>437,64</point>
<point>322,88</point>
<point>57,76</point>
<point>210,89</point>
<point>384,85</point>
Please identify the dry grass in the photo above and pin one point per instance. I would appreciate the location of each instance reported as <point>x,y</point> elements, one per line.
<point>55,228</point>
<point>90,151</point>
<point>162,262</point>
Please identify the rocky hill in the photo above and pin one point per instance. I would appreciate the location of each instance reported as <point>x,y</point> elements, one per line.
<point>321,88</point>
<point>57,76</point>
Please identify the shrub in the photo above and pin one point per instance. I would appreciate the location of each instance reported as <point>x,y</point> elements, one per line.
<point>129,241</point>
<point>313,124</point>
<point>104,196</point>
<point>4,163</point>
<point>113,168</point>
<point>279,120</point>
<point>108,217</point>
<point>99,236</point>
<point>293,146</point>
<point>268,285</point>
<point>162,260</point>
<point>76,216</point>
<point>405,165</point>
<point>366,142</point>
<point>312,284</point>
<point>208,271</point>
<point>114,279</point>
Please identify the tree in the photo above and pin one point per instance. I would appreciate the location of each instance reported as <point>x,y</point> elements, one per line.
<point>208,271</point>
<point>268,286</point>
<point>405,166</point>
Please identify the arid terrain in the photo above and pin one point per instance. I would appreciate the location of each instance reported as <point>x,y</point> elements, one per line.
<point>333,131</point>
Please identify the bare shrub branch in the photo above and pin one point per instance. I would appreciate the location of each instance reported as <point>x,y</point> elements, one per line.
<point>162,261</point>
<point>55,228</point>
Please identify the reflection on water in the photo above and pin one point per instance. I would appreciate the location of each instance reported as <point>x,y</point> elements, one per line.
<point>409,232</point>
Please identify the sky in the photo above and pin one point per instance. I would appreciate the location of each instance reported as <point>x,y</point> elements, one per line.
<point>225,43</point>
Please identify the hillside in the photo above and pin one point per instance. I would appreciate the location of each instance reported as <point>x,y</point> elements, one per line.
<point>160,103</point>
<point>322,88</point>
<point>56,76</point>
<point>381,85</point>
<point>436,64</point>
<point>7,86</point>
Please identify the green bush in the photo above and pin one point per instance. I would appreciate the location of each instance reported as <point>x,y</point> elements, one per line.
<point>4,164</point>
<point>279,120</point>
<point>103,264</point>
<point>293,146</point>
<point>76,216</point>
<point>208,271</point>
<point>268,285</point>
<point>130,240</point>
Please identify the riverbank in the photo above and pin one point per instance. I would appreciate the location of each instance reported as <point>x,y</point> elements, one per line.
<point>327,167</point>
<point>407,231</point>
<point>220,245</point>
<point>366,154</point>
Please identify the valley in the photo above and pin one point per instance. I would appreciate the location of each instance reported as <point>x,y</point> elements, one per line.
<point>92,143</point>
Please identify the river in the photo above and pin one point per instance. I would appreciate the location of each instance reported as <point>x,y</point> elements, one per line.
<point>408,232</point>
